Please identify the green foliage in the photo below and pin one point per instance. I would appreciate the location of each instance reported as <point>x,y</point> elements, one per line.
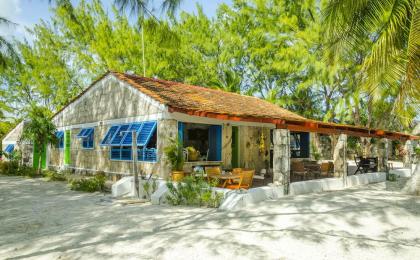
<point>12,168</point>
<point>315,152</point>
<point>275,50</point>
<point>150,186</point>
<point>193,191</point>
<point>417,151</point>
<point>54,176</point>
<point>391,63</point>
<point>39,129</point>
<point>96,183</point>
<point>175,155</point>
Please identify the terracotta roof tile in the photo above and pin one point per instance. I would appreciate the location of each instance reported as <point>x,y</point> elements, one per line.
<point>201,99</point>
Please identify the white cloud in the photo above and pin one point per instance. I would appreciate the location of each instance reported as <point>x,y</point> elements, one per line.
<point>11,9</point>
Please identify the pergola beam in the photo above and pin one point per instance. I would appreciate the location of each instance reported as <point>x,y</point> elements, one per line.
<point>304,125</point>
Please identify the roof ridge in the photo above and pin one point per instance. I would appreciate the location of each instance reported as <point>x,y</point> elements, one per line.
<point>171,82</point>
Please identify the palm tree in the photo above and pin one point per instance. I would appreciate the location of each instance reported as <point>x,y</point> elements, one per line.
<point>6,48</point>
<point>139,8</point>
<point>392,28</point>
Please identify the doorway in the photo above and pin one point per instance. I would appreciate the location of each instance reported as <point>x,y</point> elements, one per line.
<point>235,147</point>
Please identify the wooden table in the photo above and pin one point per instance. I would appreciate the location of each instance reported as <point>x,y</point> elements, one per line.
<point>226,178</point>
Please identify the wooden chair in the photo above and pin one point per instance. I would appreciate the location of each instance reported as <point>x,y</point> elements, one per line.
<point>331,169</point>
<point>236,170</point>
<point>325,170</point>
<point>212,171</point>
<point>298,169</point>
<point>245,181</point>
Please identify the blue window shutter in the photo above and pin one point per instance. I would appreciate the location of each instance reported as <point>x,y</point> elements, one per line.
<point>128,138</point>
<point>9,148</point>
<point>82,133</point>
<point>109,135</point>
<point>119,135</point>
<point>146,132</point>
<point>215,143</point>
<point>181,132</point>
<point>304,145</point>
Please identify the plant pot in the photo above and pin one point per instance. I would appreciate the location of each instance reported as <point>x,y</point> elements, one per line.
<point>177,175</point>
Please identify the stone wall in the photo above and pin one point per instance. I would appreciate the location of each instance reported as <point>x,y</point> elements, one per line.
<point>98,158</point>
<point>110,100</point>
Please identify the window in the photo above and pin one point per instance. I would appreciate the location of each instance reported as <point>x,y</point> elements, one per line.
<point>9,148</point>
<point>88,137</point>
<point>299,145</point>
<point>206,139</point>
<point>120,138</point>
<point>60,138</point>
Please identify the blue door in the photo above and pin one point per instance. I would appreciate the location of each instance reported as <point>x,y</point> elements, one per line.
<point>215,143</point>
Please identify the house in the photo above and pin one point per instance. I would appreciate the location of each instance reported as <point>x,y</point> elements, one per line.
<point>95,130</point>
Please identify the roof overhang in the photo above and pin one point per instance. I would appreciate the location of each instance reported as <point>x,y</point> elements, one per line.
<point>304,125</point>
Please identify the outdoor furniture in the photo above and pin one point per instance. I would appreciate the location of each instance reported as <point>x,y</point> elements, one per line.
<point>313,168</point>
<point>245,181</point>
<point>236,170</point>
<point>226,179</point>
<point>298,169</point>
<point>212,171</point>
<point>325,170</point>
<point>331,170</point>
<point>366,164</point>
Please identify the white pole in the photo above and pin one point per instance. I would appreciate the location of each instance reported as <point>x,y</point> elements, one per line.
<point>136,174</point>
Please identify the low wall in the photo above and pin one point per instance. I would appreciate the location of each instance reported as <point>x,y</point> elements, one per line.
<point>239,199</point>
<point>320,185</point>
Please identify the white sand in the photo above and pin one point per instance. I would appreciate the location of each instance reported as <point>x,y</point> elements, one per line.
<point>41,220</point>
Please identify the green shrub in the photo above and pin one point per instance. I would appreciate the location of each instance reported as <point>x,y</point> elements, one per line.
<point>193,191</point>
<point>96,183</point>
<point>27,171</point>
<point>150,186</point>
<point>9,168</point>
<point>54,176</point>
<point>12,168</point>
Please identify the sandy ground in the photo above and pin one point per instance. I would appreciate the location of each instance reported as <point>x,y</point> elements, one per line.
<point>42,220</point>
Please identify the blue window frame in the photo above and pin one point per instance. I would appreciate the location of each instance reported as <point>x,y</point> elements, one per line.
<point>108,137</point>
<point>88,137</point>
<point>119,135</point>
<point>121,153</point>
<point>146,133</point>
<point>120,138</point>
<point>9,148</point>
<point>60,137</point>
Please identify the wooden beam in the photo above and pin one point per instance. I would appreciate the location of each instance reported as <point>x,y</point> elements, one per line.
<point>303,126</point>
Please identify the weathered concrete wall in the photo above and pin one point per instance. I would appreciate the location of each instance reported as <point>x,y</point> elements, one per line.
<point>107,101</point>
<point>249,148</point>
<point>227,145</point>
<point>14,135</point>
<point>167,130</point>
<point>281,157</point>
<point>98,158</point>
<point>340,161</point>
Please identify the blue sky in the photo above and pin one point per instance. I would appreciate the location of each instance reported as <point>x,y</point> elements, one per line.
<point>28,12</point>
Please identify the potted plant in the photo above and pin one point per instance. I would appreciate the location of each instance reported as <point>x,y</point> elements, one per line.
<point>175,155</point>
<point>193,154</point>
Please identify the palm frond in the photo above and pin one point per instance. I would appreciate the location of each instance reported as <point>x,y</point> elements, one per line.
<point>171,6</point>
<point>135,7</point>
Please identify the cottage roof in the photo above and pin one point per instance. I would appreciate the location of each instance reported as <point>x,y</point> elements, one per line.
<point>207,102</point>
<point>184,97</point>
